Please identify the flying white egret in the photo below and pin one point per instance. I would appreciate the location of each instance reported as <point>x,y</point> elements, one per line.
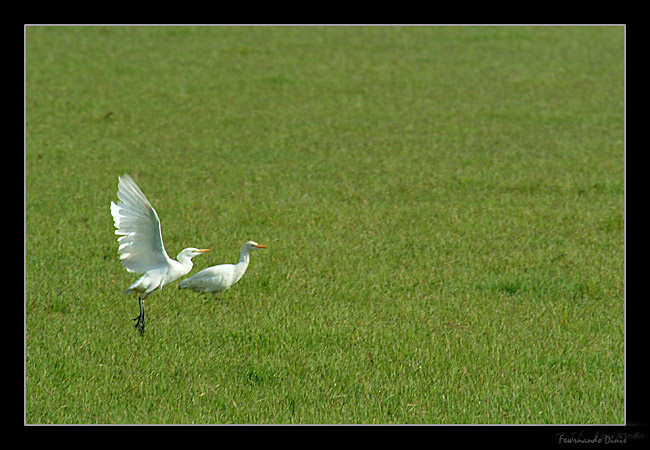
<point>141,246</point>
<point>219,278</point>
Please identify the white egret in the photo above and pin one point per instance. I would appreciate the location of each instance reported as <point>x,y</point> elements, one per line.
<point>141,247</point>
<point>219,278</point>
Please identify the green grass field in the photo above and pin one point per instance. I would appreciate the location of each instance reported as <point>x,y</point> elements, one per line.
<point>443,206</point>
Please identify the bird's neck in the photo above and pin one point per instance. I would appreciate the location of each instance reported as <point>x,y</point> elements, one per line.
<point>185,262</point>
<point>244,258</point>
<point>240,267</point>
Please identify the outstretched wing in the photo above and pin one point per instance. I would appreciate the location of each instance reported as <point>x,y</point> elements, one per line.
<point>141,245</point>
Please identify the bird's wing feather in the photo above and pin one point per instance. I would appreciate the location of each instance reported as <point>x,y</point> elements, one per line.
<point>212,279</point>
<point>141,245</point>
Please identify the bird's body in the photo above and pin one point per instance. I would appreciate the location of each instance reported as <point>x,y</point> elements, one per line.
<point>141,247</point>
<point>157,277</point>
<point>216,279</point>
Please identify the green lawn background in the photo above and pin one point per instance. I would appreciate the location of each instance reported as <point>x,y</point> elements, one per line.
<point>443,208</point>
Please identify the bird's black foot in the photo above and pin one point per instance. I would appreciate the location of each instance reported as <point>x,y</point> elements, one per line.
<point>140,324</point>
<point>140,319</point>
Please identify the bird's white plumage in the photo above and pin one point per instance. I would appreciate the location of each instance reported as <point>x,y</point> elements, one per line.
<point>216,279</point>
<point>141,246</point>
<point>213,279</point>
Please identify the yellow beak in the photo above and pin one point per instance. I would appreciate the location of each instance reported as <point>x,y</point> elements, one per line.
<point>260,246</point>
<point>205,250</point>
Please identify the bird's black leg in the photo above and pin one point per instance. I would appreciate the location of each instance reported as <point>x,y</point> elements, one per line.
<point>140,319</point>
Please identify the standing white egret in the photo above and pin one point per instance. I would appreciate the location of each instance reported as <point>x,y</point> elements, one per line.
<point>141,246</point>
<point>219,278</point>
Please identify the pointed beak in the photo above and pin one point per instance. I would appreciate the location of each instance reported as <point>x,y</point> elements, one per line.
<point>205,250</point>
<point>260,246</point>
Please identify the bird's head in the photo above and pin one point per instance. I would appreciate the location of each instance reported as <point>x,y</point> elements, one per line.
<point>252,245</point>
<point>192,252</point>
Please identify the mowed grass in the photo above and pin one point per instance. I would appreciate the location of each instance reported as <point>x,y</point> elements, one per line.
<point>443,207</point>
